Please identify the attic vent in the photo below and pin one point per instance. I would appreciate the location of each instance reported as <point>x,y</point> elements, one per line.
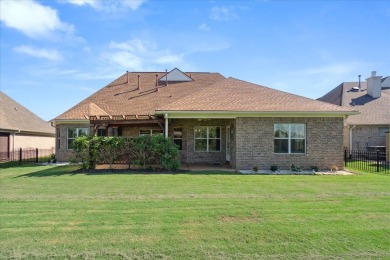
<point>355,89</point>
<point>175,75</point>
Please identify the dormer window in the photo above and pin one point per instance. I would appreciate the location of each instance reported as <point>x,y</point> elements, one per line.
<point>175,75</point>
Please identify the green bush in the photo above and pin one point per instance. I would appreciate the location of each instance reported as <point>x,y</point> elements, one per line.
<point>143,150</point>
<point>295,168</point>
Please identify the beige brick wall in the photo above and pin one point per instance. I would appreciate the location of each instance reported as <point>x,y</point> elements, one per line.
<point>188,154</point>
<point>255,143</point>
<point>62,153</point>
<point>31,141</point>
<point>252,142</point>
<point>367,135</point>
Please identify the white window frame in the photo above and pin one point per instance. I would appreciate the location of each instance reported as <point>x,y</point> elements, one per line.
<point>151,132</point>
<point>73,138</point>
<point>208,138</point>
<point>289,138</point>
<point>176,138</point>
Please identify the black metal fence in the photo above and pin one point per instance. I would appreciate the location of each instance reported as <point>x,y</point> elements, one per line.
<point>31,155</point>
<point>373,161</point>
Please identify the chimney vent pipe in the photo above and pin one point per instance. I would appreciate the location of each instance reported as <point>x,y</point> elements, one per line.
<point>166,77</point>
<point>359,81</point>
<point>139,86</point>
<point>156,82</point>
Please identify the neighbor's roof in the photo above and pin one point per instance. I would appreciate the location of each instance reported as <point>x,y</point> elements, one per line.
<point>15,117</point>
<point>373,111</point>
<point>231,94</point>
<point>200,92</point>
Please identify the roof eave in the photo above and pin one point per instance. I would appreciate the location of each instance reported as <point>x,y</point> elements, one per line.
<point>235,114</point>
<point>69,121</point>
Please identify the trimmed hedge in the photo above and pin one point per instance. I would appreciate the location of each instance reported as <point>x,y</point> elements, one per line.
<point>141,150</point>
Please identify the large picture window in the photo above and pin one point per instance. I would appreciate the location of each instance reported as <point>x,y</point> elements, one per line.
<point>207,138</point>
<point>73,133</point>
<point>289,138</point>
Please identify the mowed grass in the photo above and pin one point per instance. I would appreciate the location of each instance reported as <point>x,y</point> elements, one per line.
<point>52,213</point>
<point>369,166</point>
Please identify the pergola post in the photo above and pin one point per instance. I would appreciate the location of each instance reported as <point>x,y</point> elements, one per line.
<point>166,125</point>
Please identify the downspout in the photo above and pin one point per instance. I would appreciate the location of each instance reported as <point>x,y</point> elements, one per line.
<point>13,142</point>
<point>166,125</point>
<point>350,137</point>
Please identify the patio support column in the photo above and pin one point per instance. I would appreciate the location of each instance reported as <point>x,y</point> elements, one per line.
<point>166,125</point>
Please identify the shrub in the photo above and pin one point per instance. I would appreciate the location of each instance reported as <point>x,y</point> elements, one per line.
<point>295,168</point>
<point>81,152</point>
<point>314,168</point>
<point>255,169</point>
<point>274,168</point>
<point>144,150</point>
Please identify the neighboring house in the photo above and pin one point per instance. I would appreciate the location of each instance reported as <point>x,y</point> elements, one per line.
<point>372,99</point>
<point>213,120</point>
<point>21,128</point>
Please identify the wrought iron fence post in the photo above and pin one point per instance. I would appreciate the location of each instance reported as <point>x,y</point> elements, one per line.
<point>377,160</point>
<point>20,155</point>
<point>36,155</point>
<point>345,158</point>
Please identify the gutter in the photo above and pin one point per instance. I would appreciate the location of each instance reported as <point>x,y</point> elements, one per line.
<point>235,114</point>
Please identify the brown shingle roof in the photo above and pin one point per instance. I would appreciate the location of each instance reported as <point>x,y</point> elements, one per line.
<point>123,98</point>
<point>207,92</point>
<point>240,96</point>
<point>15,117</point>
<point>373,111</point>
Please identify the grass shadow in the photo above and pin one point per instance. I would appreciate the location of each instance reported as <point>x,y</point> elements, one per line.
<point>51,172</point>
<point>153,172</point>
<point>6,165</point>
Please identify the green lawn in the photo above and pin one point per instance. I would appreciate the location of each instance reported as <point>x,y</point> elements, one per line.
<point>50,212</point>
<point>368,166</point>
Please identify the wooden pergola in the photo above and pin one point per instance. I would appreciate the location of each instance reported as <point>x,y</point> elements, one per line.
<point>97,121</point>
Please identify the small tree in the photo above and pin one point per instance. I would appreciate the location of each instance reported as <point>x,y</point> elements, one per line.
<point>143,150</point>
<point>165,152</point>
<point>81,152</point>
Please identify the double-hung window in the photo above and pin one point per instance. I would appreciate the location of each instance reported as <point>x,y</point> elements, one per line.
<point>73,133</point>
<point>178,137</point>
<point>289,138</point>
<point>207,138</point>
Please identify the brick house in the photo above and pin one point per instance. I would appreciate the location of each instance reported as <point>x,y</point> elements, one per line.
<point>213,120</point>
<point>372,99</point>
<point>21,128</point>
